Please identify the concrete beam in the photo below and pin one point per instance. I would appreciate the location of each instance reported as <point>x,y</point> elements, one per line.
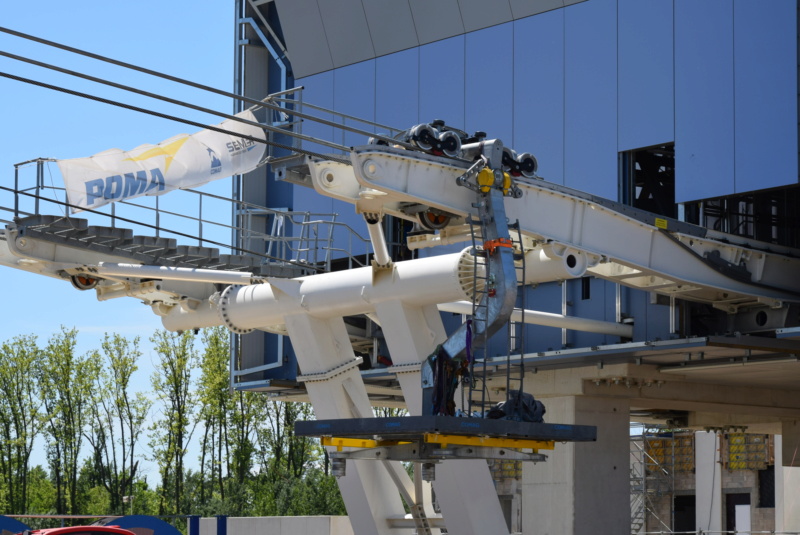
<point>704,397</point>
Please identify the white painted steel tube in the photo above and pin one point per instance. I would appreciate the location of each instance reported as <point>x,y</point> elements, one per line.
<point>535,317</point>
<point>424,281</point>
<point>554,263</point>
<point>169,273</point>
<point>375,230</point>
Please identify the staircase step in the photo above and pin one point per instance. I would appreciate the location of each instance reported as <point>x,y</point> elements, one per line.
<point>193,254</point>
<point>108,236</point>
<point>56,225</point>
<point>150,245</point>
<point>236,262</point>
<point>115,241</point>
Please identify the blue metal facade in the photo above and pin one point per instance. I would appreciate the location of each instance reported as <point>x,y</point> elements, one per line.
<point>580,85</point>
<point>576,86</point>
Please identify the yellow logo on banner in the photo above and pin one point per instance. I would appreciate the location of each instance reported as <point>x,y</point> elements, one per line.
<point>169,151</point>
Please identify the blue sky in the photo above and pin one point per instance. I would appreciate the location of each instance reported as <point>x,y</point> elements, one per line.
<point>191,40</point>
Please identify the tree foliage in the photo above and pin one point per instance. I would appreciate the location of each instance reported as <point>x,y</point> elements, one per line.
<point>66,387</point>
<point>21,417</point>
<point>117,421</point>
<point>171,433</point>
<point>91,421</point>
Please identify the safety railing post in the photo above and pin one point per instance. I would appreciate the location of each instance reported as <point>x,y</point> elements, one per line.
<point>16,191</point>
<point>200,221</point>
<point>39,183</point>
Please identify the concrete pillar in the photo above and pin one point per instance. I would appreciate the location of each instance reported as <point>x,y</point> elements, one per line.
<point>787,477</point>
<point>708,481</point>
<point>583,487</point>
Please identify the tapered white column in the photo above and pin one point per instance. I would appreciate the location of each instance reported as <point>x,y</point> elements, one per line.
<point>464,488</point>
<point>323,345</point>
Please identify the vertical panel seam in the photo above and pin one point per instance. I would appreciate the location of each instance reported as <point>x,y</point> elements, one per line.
<point>733,84</point>
<point>513,77</point>
<point>674,84</point>
<point>413,22</point>
<point>617,95</point>
<point>564,99</point>
<point>325,31</point>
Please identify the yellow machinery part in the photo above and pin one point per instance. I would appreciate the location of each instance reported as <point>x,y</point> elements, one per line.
<point>491,442</point>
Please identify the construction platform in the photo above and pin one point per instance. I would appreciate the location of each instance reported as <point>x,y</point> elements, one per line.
<point>434,438</point>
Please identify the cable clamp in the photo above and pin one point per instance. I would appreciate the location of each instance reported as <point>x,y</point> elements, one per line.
<point>491,245</point>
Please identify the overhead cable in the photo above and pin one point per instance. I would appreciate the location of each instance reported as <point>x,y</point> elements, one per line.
<point>198,86</point>
<point>129,66</point>
<point>169,100</point>
<point>173,118</point>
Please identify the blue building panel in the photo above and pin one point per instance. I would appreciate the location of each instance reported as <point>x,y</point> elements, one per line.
<point>765,89</point>
<point>442,81</point>
<point>592,304</point>
<point>645,74</point>
<point>489,90</point>
<point>539,91</point>
<point>590,126</point>
<point>543,298</point>
<point>318,90</point>
<point>397,89</point>
<point>704,100</point>
<point>354,94</point>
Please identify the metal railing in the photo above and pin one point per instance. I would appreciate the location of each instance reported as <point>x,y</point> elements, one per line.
<point>723,532</point>
<point>301,238</point>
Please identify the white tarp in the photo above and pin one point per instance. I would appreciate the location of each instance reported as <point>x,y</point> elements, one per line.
<point>183,161</point>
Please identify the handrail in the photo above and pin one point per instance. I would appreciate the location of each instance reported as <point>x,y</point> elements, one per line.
<point>305,239</point>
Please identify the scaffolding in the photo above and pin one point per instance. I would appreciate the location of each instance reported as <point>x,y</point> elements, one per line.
<point>656,456</point>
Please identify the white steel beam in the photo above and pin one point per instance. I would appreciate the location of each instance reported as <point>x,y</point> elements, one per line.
<point>700,265</point>
<point>464,488</point>
<point>368,489</point>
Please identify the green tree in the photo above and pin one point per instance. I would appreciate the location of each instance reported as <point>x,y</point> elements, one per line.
<point>215,405</point>
<point>41,492</point>
<point>171,433</point>
<point>118,419</point>
<point>20,417</point>
<point>66,382</point>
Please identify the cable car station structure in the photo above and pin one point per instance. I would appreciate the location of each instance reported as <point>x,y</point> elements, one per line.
<point>504,232</point>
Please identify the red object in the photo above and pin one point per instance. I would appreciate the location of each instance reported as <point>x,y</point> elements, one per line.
<point>81,530</point>
<point>490,245</point>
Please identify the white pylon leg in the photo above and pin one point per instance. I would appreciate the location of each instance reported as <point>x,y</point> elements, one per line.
<point>464,488</point>
<point>412,333</point>
<point>368,490</point>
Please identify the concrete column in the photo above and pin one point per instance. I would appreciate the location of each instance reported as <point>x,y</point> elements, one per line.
<point>581,482</point>
<point>708,481</point>
<point>787,477</point>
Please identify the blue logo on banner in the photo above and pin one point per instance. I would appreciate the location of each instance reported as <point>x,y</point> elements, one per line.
<point>117,187</point>
<point>216,164</point>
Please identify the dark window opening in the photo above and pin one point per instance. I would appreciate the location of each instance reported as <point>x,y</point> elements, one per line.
<point>685,511</point>
<point>766,487</point>
<point>770,216</point>
<point>731,501</point>
<point>586,288</point>
<point>647,179</point>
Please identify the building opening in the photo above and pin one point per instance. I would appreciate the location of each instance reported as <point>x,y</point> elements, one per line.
<point>647,179</point>
<point>770,215</point>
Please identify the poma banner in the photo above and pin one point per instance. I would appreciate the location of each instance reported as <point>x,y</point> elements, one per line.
<point>183,161</point>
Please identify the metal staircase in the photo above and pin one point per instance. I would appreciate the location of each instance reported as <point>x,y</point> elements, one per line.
<point>150,250</point>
